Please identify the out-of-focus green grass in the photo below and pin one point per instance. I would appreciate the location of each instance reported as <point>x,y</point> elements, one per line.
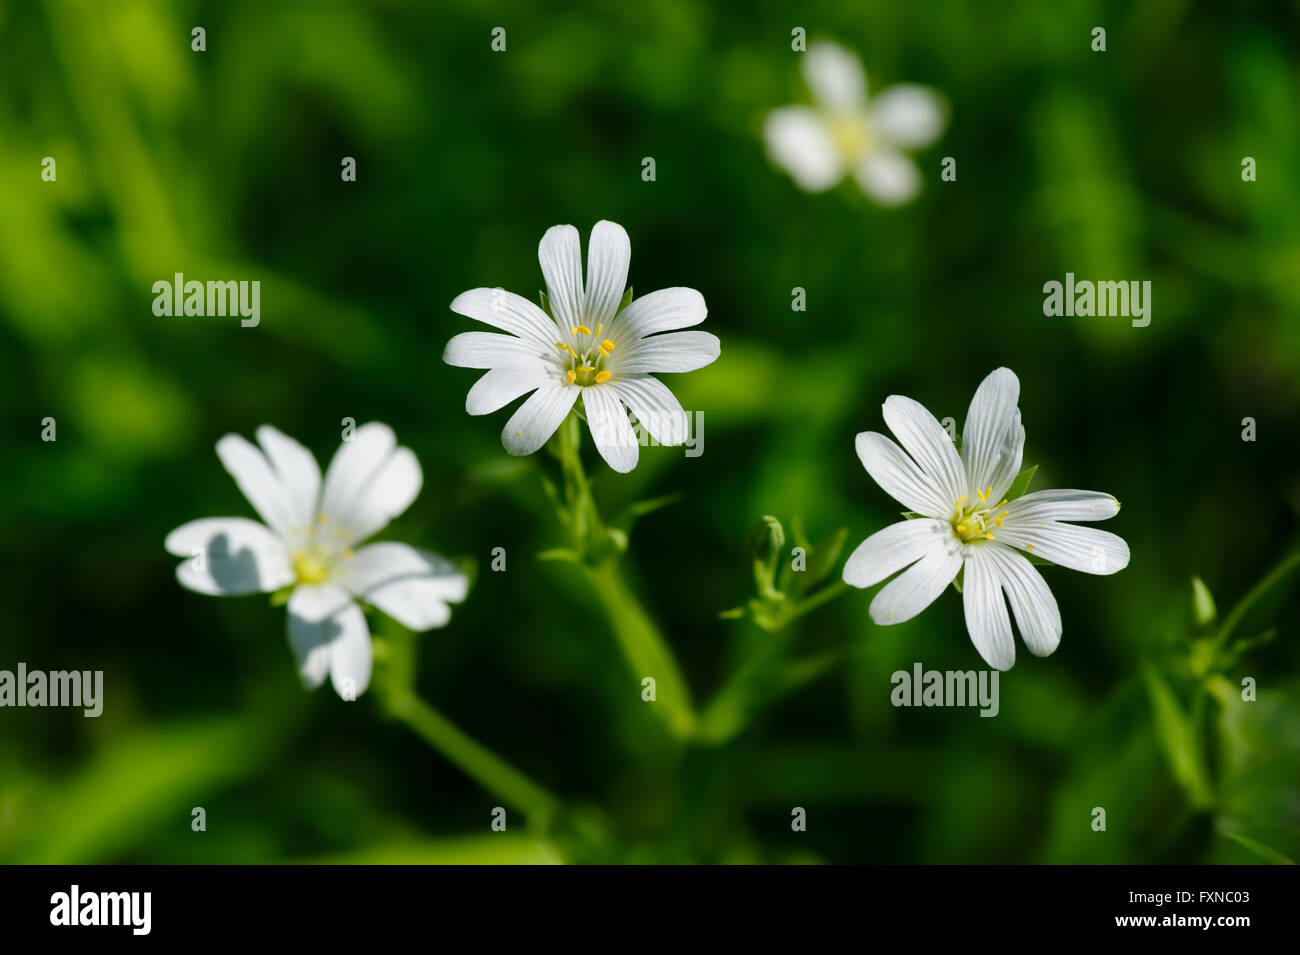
<point>225,164</point>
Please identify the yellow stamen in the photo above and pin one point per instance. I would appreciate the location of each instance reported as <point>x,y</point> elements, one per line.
<point>1000,516</point>
<point>1029,547</point>
<point>608,345</point>
<point>309,569</point>
<point>601,349</point>
<point>961,528</point>
<point>959,500</point>
<point>566,348</point>
<point>989,535</point>
<point>571,375</point>
<point>1001,503</point>
<point>599,326</point>
<point>581,328</point>
<point>321,518</point>
<point>585,368</point>
<point>603,376</point>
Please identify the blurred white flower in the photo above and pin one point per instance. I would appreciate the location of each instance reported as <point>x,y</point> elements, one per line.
<point>961,526</point>
<point>310,541</point>
<point>843,133</point>
<point>590,349</point>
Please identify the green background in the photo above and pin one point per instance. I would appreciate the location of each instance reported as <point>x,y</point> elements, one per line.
<point>1123,165</point>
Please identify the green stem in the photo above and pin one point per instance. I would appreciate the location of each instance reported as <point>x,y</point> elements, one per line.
<point>731,708</point>
<point>645,648</point>
<point>480,764</point>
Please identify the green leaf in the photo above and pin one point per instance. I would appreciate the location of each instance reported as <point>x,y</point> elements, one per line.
<point>1203,610</point>
<point>626,301</point>
<point>959,579</point>
<point>1177,738</point>
<point>823,557</point>
<point>1261,850</point>
<point>638,509</point>
<point>910,515</point>
<point>560,553</point>
<point>1263,598</point>
<point>546,302</point>
<point>1021,484</point>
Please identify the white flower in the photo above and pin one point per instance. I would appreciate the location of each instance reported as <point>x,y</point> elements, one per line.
<point>843,134</point>
<point>309,542</point>
<point>966,522</point>
<point>585,350</point>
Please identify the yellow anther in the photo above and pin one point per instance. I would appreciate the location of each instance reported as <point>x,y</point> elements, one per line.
<point>608,345</point>
<point>1029,547</point>
<point>961,528</point>
<point>585,368</point>
<point>581,328</point>
<point>321,518</point>
<point>959,500</point>
<point>1000,516</point>
<point>599,326</point>
<point>1001,503</point>
<point>603,376</point>
<point>601,349</point>
<point>571,375</point>
<point>989,535</point>
<point>566,348</point>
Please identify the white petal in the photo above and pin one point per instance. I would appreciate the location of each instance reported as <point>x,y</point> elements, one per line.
<point>917,587</point>
<point>412,586</point>
<point>673,352</point>
<point>508,312</point>
<point>888,177</point>
<point>1085,549</point>
<point>533,423</point>
<point>925,440</point>
<point>899,476</point>
<point>799,142</point>
<point>909,116</point>
<point>609,252</point>
<point>835,77</point>
<point>313,628</point>
<point>560,255</point>
<point>500,386</point>
<point>259,482</point>
<point>490,350</point>
<point>351,655</point>
<point>386,495</point>
<point>1037,615</point>
<point>656,408</point>
<point>615,439</point>
<point>229,555</point>
<point>1062,505</point>
<point>369,482</point>
<point>993,439</point>
<point>663,311</point>
<point>297,470</point>
<point>353,465</point>
<point>888,551</point>
<point>987,620</point>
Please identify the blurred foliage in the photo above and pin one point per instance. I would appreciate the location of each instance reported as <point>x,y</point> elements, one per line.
<point>225,164</point>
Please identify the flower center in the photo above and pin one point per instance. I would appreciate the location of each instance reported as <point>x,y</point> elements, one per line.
<point>977,520</point>
<point>851,134</point>
<point>323,545</point>
<point>587,356</point>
